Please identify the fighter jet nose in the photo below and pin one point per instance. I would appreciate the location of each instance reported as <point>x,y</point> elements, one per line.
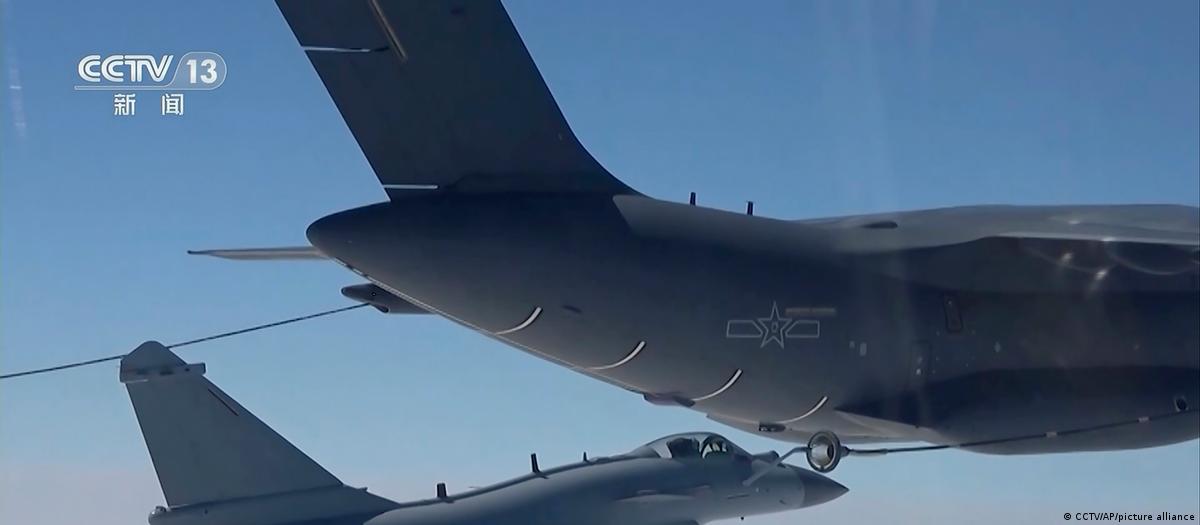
<point>819,489</point>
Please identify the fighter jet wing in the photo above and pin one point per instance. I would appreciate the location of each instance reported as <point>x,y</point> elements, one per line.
<point>443,96</point>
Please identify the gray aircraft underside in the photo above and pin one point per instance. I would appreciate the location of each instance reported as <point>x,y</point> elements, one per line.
<point>949,326</point>
<point>218,464</point>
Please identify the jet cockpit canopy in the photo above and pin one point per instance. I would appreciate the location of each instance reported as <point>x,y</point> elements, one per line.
<point>706,445</point>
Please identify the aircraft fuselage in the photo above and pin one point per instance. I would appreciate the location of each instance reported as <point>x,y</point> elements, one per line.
<point>791,327</point>
<point>616,490</point>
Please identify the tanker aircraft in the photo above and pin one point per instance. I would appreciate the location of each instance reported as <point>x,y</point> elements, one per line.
<point>999,329</point>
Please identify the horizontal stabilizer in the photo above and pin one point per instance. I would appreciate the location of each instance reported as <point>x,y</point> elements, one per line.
<point>283,253</point>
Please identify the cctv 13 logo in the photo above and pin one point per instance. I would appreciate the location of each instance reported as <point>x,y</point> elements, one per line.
<point>195,70</point>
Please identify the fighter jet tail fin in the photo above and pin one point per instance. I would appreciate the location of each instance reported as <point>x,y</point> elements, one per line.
<point>213,456</point>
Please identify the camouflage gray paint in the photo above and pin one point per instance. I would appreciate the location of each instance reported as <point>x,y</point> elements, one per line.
<point>219,464</point>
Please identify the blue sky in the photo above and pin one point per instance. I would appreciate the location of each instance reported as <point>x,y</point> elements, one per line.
<point>808,108</point>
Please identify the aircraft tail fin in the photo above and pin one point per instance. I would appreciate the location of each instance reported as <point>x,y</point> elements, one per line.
<point>444,96</point>
<point>213,455</point>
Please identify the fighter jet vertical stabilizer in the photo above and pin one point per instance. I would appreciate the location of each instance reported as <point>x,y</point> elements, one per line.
<point>219,464</point>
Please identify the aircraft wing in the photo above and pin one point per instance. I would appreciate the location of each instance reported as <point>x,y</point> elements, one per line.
<point>1027,248</point>
<point>443,96</point>
<point>1166,225</point>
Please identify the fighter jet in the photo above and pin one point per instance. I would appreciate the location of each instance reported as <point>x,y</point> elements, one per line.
<point>218,464</point>
<point>999,329</point>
